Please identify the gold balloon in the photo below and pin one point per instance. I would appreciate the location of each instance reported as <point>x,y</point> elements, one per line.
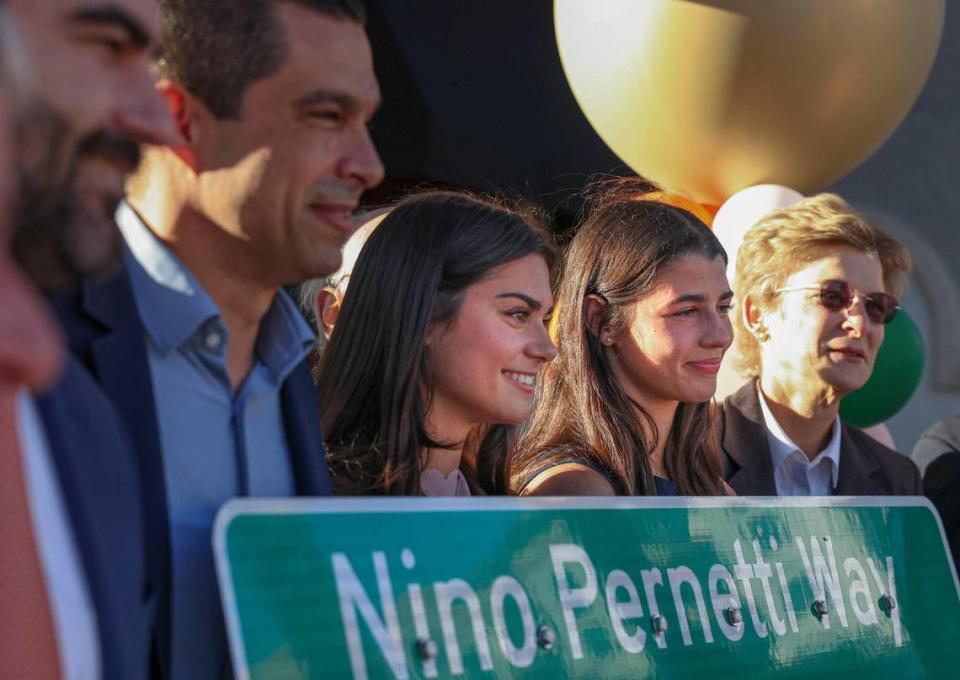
<point>713,96</point>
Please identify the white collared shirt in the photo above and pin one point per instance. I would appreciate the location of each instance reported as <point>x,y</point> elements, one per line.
<point>74,619</point>
<point>793,472</point>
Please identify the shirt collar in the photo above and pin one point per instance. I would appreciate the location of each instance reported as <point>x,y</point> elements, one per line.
<point>172,303</point>
<point>285,339</point>
<point>174,307</point>
<point>781,445</point>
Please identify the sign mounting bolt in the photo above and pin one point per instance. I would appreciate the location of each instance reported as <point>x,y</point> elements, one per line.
<point>820,608</point>
<point>426,649</point>
<point>734,616</point>
<point>658,624</point>
<point>546,637</point>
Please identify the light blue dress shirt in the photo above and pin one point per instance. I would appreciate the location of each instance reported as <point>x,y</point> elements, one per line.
<point>217,444</point>
<point>793,472</point>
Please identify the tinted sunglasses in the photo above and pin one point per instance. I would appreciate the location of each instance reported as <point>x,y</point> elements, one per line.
<point>836,295</point>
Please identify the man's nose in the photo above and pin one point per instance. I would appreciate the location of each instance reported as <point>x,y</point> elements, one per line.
<point>361,161</point>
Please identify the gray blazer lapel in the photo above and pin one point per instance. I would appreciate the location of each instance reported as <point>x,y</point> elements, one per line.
<point>748,468</point>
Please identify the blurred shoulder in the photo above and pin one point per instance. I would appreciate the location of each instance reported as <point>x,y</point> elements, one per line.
<point>943,433</point>
<point>569,479</point>
<point>940,439</point>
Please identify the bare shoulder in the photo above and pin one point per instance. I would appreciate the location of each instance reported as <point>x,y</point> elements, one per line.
<point>569,479</point>
<point>727,489</point>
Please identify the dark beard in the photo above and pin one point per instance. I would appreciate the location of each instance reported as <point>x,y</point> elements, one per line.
<point>57,238</point>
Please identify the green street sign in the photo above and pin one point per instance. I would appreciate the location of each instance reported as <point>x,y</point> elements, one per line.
<point>585,587</point>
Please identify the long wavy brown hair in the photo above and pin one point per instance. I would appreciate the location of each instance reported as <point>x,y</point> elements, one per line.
<point>580,409</point>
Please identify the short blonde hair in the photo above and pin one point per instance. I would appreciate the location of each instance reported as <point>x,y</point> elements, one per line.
<point>310,289</point>
<point>790,238</point>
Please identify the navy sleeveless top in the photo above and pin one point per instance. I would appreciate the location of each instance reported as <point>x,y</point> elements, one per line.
<point>663,486</point>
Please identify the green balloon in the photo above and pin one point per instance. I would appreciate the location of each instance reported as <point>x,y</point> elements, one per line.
<point>896,375</point>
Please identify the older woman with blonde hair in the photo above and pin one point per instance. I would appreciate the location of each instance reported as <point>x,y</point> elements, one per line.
<point>816,284</point>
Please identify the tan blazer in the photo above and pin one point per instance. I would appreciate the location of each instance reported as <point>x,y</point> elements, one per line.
<point>867,467</point>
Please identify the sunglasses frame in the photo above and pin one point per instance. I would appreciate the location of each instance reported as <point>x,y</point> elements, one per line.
<point>850,295</point>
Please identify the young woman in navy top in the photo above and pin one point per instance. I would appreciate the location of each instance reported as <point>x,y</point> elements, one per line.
<point>642,326</point>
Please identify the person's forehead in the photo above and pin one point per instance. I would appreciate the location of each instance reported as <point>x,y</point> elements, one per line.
<point>143,11</point>
<point>689,274</point>
<point>146,12</point>
<point>328,53</point>
<point>528,275</point>
<point>858,267</point>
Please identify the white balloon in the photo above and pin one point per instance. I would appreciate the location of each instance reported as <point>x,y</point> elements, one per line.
<point>744,209</point>
<point>734,219</point>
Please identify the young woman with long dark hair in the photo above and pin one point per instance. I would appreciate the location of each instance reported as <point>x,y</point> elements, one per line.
<point>433,358</point>
<point>642,326</point>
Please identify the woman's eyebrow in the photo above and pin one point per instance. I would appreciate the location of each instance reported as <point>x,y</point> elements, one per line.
<point>533,303</point>
<point>698,297</point>
<point>689,297</point>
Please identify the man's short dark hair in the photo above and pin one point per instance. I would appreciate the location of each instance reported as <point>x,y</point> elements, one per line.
<point>216,49</point>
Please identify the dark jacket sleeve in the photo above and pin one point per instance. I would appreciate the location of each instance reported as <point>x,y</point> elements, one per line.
<point>917,480</point>
<point>941,484</point>
<point>903,473</point>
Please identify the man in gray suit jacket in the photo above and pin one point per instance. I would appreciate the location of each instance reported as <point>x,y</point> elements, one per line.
<point>816,285</point>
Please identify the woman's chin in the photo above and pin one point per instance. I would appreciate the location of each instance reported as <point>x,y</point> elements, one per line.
<point>697,396</point>
<point>843,382</point>
<point>700,390</point>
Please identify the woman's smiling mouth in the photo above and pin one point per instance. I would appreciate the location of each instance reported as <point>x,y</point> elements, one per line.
<point>524,381</point>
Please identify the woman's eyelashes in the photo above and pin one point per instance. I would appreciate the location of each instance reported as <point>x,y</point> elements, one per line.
<point>522,315</point>
<point>519,314</point>
<point>724,309</point>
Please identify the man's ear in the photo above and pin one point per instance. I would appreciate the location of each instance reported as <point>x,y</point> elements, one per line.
<point>328,309</point>
<point>595,313</point>
<point>185,109</point>
<point>753,319</point>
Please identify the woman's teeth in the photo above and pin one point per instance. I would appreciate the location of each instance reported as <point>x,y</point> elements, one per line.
<point>523,378</point>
